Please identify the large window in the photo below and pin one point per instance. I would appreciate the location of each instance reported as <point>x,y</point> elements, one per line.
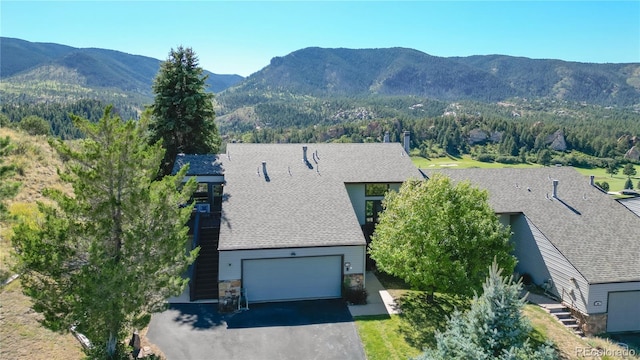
<point>375,189</point>
<point>372,211</point>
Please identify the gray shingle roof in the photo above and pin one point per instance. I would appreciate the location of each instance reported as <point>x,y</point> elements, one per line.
<point>199,165</point>
<point>593,231</point>
<point>632,204</point>
<point>302,205</point>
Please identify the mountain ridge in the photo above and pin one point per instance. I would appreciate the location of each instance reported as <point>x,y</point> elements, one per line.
<point>101,68</point>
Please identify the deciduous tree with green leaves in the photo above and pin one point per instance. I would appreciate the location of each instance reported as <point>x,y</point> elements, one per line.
<point>106,257</point>
<point>183,115</point>
<point>440,237</point>
<point>494,327</point>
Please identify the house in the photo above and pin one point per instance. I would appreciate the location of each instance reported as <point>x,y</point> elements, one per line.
<point>290,224</point>
<point>570,237</point>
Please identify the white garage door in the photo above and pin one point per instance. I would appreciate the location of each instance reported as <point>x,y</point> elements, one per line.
<point>292,278</point>
<point>623,311</point>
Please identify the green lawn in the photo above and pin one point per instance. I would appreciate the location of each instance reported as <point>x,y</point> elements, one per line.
<point>463,162</point>
<point>616,182</point>
<point>404,336</point>
<point>382,338</point>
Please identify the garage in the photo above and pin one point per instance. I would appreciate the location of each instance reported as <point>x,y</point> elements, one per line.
<point>623,311</point>
<point>294,278</point>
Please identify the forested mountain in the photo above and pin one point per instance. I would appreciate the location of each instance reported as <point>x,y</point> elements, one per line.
<point>503,106</point>
<point>58,67</point>
<point>400,71</point>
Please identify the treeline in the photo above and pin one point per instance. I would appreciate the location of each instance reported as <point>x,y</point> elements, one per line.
<point>57,114</point>
<point>513,134</point>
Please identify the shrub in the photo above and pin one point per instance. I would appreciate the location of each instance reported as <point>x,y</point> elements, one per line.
<point>508,159</point>
<point>485,158</point>
<point>603,185</point>
<point>355,296</point>
<point>35,125</point>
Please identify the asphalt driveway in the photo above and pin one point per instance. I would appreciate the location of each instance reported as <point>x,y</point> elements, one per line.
<point>318,329</point>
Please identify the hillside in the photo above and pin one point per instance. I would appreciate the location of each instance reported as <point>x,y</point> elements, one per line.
<point>319,86</point>
<point>40,71</point>
<point>400,71</point>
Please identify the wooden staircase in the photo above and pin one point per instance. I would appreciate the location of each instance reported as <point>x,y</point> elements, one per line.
<point>204,282</point>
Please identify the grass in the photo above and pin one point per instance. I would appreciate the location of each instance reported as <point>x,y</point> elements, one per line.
<point>616,182</point>
<point>406,335</point>
<point>22,336</point>
<point>463,162</point>
<point>382,338</point>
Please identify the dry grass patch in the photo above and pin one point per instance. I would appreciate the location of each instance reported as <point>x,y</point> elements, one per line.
<point>566,342</point>
<point>22,336</point>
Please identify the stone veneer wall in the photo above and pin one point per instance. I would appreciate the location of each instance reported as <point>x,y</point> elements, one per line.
<point>228,295</point>
<point>354,281</point>
<point>591,324</point>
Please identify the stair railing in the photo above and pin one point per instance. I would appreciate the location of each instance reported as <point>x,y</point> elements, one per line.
<point>194,267</point>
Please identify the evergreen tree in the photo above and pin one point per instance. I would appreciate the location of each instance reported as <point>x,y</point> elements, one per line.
<point>8,188</point>
<point>544,157</point>
<point>628,184</point>
<point>436,236</point>
<point>493,328</point>
<point>106,257</point>
<point>629,170</point>
<point>183,116</point>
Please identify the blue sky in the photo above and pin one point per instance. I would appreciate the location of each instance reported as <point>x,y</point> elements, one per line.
<point>241,37</point>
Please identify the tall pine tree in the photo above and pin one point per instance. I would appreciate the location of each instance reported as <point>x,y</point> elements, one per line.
<point>183,116</point>
<point>109,255</point>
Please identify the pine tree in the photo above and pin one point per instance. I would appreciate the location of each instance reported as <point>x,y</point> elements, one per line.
<point>493,328</point>
<point>183,116</point>
<point>109,255</point>
<point>628,184</point>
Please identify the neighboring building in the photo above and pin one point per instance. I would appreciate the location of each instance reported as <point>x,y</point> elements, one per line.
<point>632,204</point>
<point>572,238</point>
<point>291,220</point>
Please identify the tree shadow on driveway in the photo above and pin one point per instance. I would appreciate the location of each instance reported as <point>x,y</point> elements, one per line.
<point>292,313</point>
<point>198,316</point>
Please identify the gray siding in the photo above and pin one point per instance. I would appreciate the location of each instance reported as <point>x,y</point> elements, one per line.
<point>600,293</point>
<point>538,257</point>
<point>231,261</point>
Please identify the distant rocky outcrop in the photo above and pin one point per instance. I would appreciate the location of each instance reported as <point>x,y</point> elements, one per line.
<point>477,136</point>
<point>556,141</point>
<point>633,154</point>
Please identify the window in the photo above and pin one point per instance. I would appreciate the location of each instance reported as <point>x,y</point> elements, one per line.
<point>372,210</point>
<point>375,189</point>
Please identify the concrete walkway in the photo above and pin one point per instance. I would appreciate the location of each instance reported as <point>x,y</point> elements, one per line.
<point>379,302</point>
<point>544,301</point>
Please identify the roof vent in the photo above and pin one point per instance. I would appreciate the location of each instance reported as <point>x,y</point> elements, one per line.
<point>305,159</point>
<point>555,189</point>
<point>386,137</point>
